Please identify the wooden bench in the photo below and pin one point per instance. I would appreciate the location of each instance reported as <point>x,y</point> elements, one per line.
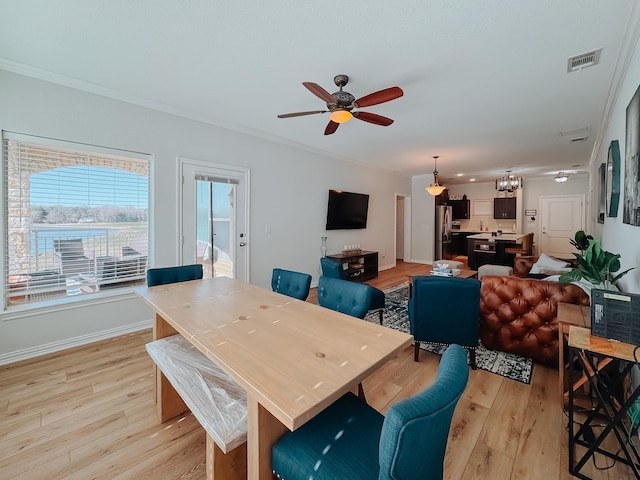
<point>216,401</point>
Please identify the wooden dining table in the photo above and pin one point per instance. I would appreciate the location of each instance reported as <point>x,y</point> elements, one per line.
<point>293,358</point>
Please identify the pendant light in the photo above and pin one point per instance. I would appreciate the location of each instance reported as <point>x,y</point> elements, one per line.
<point>435,189</point>
<point>508,182</point>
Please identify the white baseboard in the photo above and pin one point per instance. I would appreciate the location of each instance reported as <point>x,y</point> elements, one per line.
<point>52,347</point>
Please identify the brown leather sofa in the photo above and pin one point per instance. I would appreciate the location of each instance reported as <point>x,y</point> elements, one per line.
<point>522,265</point>
<point>519,315</point>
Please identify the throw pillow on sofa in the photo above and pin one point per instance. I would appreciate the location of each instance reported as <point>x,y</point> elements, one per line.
<point>546,265</point>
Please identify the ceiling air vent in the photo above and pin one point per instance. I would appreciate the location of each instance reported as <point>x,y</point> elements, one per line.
<point>583,60</point>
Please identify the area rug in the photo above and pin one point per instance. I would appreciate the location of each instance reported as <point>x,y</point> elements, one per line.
<point>507,365</point>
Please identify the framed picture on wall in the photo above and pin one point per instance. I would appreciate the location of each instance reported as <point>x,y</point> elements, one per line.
<point>631,202</point>
<point>613,179</point>
<point>602,179</point>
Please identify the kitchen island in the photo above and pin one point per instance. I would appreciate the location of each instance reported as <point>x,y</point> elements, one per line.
<point>488,248</point>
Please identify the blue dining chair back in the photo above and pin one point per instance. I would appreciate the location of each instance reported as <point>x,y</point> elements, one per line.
<point>344,296</point>
<point>182,273</point>
<point>290,283</point>
<point>352,440</point>
<point>333,269</point>
<point>445,310</point>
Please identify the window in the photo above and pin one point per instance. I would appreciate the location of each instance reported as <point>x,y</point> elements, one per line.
<point>76,219</point>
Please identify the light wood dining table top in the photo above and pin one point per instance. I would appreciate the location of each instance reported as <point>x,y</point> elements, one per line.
<point>295,358</point>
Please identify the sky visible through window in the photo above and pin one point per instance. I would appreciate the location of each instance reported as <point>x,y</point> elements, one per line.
<point>89,186</point>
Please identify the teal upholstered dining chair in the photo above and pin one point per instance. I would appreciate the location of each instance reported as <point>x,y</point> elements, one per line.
<point>352,440</point>
<point>182,273</point>
<point>333,269</point>
<point>290,283</point>
<point>344,296</point>
<point>445,310</point>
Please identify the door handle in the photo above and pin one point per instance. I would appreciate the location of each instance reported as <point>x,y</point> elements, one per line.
<point>242,244</point>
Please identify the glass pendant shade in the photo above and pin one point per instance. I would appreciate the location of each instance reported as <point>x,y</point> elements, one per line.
<point>435,189</point>
<point>340,116</point>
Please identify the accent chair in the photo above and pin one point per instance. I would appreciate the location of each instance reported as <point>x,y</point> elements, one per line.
<point>333,268</point>
<point>352,440</point>
<point>290,283</point>
<point>445,310</point>
<point>182,273</point>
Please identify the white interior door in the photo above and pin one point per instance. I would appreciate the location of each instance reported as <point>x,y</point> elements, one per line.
<point>214,215</point>
<point>560,218</point>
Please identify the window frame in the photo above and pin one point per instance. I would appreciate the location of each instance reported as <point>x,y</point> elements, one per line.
<point>68,301</point>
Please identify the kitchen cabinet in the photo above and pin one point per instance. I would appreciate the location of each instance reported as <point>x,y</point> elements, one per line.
<point>461,209</point>
<point>504,208</point>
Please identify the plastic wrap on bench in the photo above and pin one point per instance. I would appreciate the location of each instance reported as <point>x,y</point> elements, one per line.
<point>219,404</point>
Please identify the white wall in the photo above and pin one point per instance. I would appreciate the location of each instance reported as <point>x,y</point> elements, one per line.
<point>616,236</point>
<point>289,189</point>
<point>422,220</point>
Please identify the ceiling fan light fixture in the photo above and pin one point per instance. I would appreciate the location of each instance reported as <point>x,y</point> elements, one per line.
<point>340,116</point>
<point>435,189</point>
<point>561,177</point>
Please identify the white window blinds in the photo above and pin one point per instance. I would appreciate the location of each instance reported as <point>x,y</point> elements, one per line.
<point>76,220</point>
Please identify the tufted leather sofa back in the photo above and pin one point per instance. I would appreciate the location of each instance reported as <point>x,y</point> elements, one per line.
<point>519,315</point>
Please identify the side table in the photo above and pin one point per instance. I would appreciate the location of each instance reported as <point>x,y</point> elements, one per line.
<point>569,314</point>
<point>588,351</point>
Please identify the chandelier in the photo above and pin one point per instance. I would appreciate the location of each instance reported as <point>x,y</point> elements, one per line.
<point>435,189</point>
<point>508,182</point>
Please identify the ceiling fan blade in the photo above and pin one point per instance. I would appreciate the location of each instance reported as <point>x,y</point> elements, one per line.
<point>331,127</point>
<point>319,92</point>
<point>381,96</point>
<point>299,114</point>
<point>373,118</point>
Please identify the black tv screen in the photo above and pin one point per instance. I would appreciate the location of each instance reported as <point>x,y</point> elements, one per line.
<point>347,210</point>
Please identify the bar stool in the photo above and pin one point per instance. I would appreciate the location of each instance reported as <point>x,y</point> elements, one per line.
<point>526,248</point>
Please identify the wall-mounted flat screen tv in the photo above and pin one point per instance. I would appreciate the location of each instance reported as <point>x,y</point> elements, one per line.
<point>347,210</point>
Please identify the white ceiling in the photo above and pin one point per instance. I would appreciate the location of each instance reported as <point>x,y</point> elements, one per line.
<point>485,82</point>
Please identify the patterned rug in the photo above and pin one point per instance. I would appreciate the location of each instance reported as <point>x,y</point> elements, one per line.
<point>507,365</point>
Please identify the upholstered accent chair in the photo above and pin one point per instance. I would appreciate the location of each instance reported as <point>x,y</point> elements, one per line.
<point>352,440</point>
<point>290,283</point>
<point>182,273</point>
<point>344,296</point>
<point>333,269</point>
<point>445,310</point>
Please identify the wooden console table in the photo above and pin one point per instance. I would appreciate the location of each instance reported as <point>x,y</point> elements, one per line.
<point>359,266</point>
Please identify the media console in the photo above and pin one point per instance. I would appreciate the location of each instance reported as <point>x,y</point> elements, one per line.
<point>359,266</point>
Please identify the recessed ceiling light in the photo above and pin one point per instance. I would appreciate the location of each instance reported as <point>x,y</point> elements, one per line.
<point>472,179</point>
<point>459,174</point>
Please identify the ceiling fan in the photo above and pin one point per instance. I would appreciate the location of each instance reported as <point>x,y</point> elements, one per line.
<point>340,104</point>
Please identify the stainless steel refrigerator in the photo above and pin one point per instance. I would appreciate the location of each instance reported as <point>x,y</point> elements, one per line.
<point>443,241</point>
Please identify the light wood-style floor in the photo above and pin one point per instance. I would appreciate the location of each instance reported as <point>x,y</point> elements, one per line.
<point>88,413</point>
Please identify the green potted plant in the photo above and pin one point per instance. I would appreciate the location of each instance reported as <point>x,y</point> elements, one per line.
<point>595,267</point>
